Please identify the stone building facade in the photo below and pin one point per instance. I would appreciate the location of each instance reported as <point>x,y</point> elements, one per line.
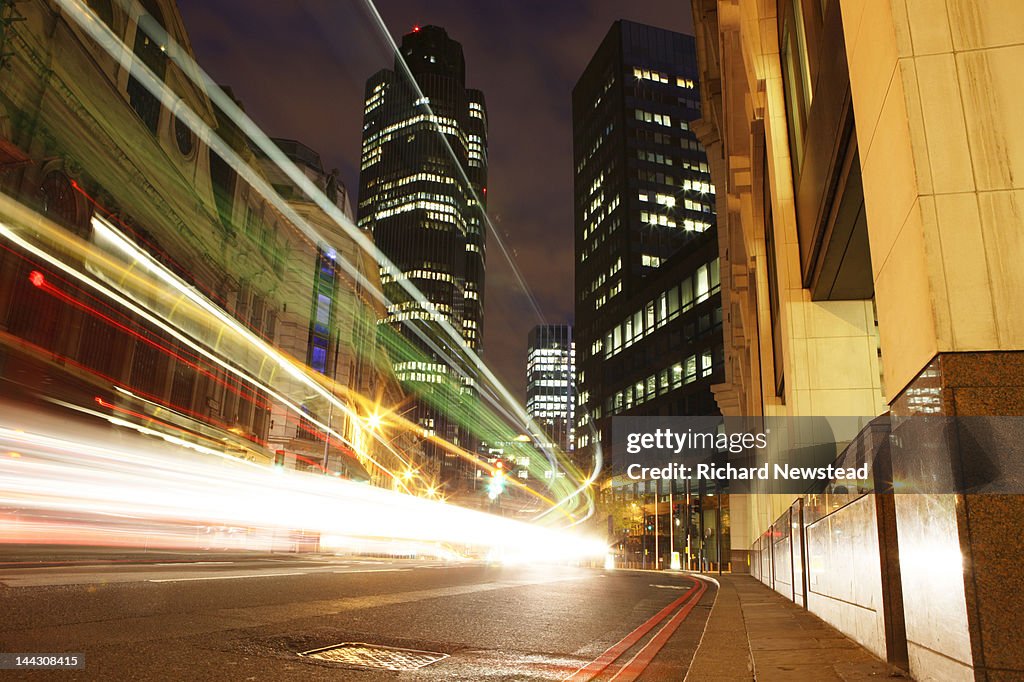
<point>869,160</point>
<point>87,146</point>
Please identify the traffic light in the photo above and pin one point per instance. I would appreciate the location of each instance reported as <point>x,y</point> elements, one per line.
<point>496,486</point>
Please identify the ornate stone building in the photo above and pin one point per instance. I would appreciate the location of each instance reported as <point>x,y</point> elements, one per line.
<point>88,146</point>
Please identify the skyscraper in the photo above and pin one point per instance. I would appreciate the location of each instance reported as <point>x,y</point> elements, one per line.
<point>422,192</point>
<point>550,380</point>
<point>648,312</point>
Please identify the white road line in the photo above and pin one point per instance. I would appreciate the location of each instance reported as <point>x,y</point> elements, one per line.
<point>224,577</point>
<point>374,570</point>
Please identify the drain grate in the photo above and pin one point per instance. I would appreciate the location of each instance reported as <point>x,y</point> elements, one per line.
<point>359,655</point>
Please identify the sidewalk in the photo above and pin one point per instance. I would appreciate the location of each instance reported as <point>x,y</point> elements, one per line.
<point>754,633</point>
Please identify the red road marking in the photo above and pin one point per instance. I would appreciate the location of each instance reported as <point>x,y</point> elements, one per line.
<point>591,670</point>
<point>643,658</point>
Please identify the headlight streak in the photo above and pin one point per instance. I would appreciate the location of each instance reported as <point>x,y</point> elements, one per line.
<point>110,42</point>
<point>139,484</point>
<point>106,39</point>
<point>7,205</point>
<point>129,279</point>
<point>48,287</point>
<point>297,371</point>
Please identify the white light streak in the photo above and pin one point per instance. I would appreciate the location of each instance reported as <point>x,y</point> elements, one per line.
<point>141,485</point>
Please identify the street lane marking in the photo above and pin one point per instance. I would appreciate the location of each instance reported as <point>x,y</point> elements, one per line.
<point>672,587</point>
<point>636,665</point>
<point>224,577</point>
<point>373,570</point>
<point>612,653</point>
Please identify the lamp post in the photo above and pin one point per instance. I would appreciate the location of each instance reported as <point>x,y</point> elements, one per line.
<point>657,540</point>
<point>688,520</point>
<point>671,526</point>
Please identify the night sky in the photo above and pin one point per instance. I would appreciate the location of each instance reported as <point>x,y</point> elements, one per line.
<point>300,69</point>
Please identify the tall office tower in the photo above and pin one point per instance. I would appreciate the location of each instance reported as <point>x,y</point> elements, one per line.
<point>422,192</point>
<point>648,313</point>
<point>550,381</point>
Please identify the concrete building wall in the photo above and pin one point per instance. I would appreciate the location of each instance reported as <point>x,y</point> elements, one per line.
<point>843,583</point>
<point>940,154</point>
<point>936,86</point>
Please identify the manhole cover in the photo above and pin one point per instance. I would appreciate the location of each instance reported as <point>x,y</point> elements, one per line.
<point>359,655</point>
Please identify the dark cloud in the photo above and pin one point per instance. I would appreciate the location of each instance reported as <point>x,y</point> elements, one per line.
<point>300,69</point>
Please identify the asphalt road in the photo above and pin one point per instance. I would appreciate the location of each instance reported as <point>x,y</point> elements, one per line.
<point>233,617</point>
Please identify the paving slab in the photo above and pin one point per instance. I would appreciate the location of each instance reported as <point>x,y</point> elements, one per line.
<point>753,633</point>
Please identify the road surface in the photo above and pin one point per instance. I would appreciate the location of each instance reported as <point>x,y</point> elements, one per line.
<point>249,617</point>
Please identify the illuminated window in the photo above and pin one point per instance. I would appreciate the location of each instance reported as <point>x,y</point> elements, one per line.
<point>703,286</point>
<point>318,356</point>
<point>690,371</point>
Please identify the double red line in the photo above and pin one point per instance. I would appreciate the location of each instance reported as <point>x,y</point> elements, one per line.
<point>636,665</point>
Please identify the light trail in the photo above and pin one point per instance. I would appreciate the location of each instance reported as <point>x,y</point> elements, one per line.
<point>141,284</point>
<point>110,42</point>
<point>584,488</point>
<point>40,281</point>
<point>147,288</point>
<point>73,474</point>
<point>137,284</point>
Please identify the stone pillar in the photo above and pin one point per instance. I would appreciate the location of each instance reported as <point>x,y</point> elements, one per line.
<point>960,555</point>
